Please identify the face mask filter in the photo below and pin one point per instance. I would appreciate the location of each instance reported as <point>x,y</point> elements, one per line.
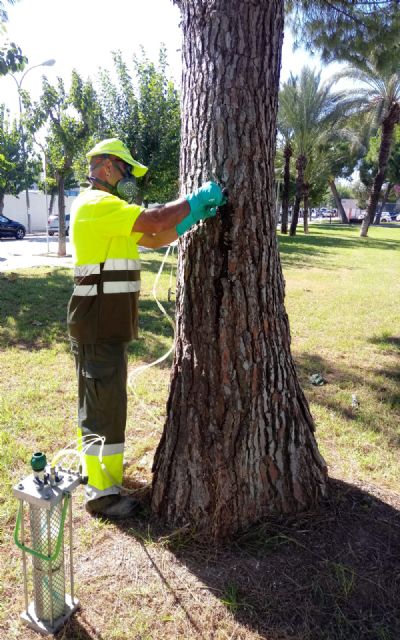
<point>127,189</point>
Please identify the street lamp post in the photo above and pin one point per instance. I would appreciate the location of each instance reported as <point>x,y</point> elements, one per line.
<point>46,63</point>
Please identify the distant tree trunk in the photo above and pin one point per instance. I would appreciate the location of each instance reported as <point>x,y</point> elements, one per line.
<point>62,248</point>
<point>1,203</point>
<point>384,201</point>
<point>338,201</point>
<point>52,198</point>
<point>300,167</point>
<point>388,126</point>
<point>238,442</point>
<point>306,206</point>
<point>287,153</point>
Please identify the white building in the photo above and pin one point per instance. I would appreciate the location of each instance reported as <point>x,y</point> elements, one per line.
<point>351,208</point>
<point>15,208</point>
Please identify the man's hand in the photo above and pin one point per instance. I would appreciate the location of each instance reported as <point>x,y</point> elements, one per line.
<point>190,220</point>
<point>208,196</point>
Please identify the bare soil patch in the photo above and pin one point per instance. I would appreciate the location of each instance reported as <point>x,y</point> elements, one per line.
<point>333,574</point>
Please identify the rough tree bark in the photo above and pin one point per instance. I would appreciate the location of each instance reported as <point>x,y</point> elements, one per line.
<point>338,201</point>
<point>301,163</point>
<point>388,125</point>
<point>238,442</point>
<point>287,153</point>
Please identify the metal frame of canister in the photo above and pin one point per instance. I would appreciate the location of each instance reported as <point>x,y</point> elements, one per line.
<point>47,496</point>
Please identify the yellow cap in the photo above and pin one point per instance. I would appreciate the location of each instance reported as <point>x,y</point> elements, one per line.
<point>114,147</point>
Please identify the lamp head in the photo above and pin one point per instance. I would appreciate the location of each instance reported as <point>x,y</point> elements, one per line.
<point>48,63</point>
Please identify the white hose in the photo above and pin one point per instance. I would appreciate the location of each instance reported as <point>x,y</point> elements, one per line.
<point>86,441</point>
<point>141,368</point>
<point>137,371</point>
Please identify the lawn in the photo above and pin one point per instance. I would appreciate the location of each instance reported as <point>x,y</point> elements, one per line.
<point>329,575</point>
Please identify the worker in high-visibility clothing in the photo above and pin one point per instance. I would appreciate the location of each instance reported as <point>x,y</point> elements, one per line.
<point>105,233</point>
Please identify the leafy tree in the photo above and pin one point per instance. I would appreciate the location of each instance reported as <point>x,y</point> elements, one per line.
<point>238,442</point>
<point>142,108</point>
<point>341,157</point>
<point>15,172</point>
<point>349,30</point>
<point>71,118</point>
<point>361,194</point>
<point>393,166</point>
<point>377,92</point>
<point>11,56</point>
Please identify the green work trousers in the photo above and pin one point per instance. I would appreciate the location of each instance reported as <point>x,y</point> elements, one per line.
<point>102,405</point>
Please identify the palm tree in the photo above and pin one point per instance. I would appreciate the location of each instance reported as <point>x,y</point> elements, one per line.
<point>311,111</point>
<point>287,97</point>
<point>378,93</point>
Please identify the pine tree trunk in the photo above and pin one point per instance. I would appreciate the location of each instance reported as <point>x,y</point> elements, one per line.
<point>287,152</point>
<point>338,201</point>
<point>300,168</point>
<point>388,126</point>
<point>238,442</point>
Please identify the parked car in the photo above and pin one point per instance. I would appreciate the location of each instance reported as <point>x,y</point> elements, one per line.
<point>386,216</point>
<point>11,229</point>
<point>53,225</point>
<point>323,213</point>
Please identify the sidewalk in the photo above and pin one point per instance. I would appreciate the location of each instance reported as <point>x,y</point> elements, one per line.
<point>32,251</point>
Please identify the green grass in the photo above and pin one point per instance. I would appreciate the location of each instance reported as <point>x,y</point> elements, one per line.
<point>342,297</point>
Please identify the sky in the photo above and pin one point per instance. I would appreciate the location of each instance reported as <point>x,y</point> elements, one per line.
<point>81,34</point>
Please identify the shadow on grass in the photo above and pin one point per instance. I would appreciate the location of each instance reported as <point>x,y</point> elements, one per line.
<point>383,385</point>
<point>333,574</point>
<point>34,308</point>
<point>303,250</point>
<point>78,628</point>
<point>387,342</point>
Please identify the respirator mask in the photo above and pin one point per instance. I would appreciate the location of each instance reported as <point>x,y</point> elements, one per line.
<point>126,188</point>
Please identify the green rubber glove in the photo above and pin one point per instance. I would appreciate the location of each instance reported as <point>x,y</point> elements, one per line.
<point>189,221</point>
<point>208,195</point>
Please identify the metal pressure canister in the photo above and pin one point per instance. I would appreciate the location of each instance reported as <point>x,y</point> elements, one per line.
<point>47,492</point>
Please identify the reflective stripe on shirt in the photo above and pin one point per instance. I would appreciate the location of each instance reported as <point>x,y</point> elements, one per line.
<point>121,287</point>
<point>84,290</point>
<point>86,270</point>
<point>121,264</point>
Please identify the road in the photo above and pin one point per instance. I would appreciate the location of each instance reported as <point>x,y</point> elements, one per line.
<point>32,251</point>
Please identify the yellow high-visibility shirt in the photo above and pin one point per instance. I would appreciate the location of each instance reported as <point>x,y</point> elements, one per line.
<point>103,306</point>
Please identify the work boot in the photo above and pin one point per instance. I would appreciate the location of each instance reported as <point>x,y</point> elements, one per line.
<point>113,507</point>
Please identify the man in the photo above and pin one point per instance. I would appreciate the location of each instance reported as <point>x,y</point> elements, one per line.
<point>102,312</point>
